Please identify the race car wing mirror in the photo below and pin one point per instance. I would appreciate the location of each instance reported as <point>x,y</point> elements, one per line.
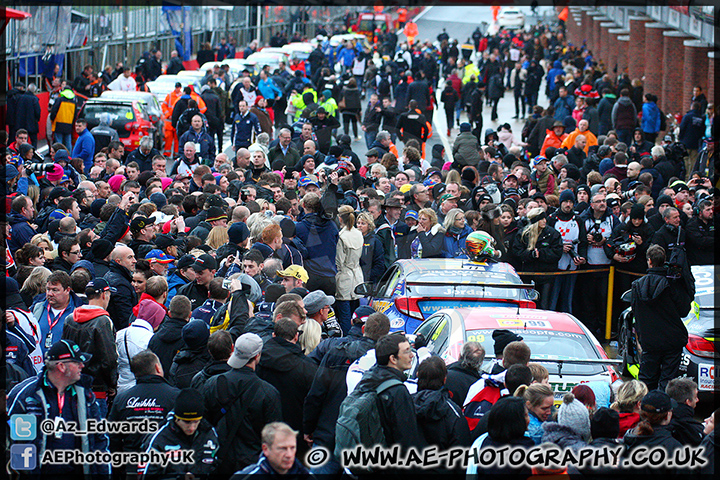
<point>364,289</point>
<point>627,296</point>
<point>533,295</point>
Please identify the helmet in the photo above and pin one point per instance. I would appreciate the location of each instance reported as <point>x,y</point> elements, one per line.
<point>479,245</point>
<point>627,250</point>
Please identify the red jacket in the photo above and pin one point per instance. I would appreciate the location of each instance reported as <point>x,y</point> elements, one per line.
<point>628,421</point>
<point>145,296</point>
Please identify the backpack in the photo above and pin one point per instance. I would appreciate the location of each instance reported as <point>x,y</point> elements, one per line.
<point>481,403</point>
<point>359,420</point>
<point>663,121</point>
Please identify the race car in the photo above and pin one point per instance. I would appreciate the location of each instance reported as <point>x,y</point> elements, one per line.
<point>558,341</point>
<point>412,290</point>
<point>699,355</point>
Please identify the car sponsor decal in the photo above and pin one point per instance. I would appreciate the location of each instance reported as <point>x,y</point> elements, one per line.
<point>706,376</point>
<point>396,322</point>
<point>431,306</point>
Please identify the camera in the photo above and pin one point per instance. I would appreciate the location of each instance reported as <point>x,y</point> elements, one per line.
<point>40,167</point>
<point>597,232</point>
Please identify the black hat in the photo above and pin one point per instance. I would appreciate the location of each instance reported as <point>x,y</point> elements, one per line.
<point>344,139</point>
<point>98,285</point>
<point>605,423</point>
<point>204,261</point>
<point>657,401</point>
<point>101,248</point>
<point>59,192</point>
<point>214,200</point>
<point>195,334</point>
<point>637,211</point>
<point>12,294</point>
<point>613,202</point>
<point>302,291</point>
<point>96,205</point>
<point>465,127</point>
<point>584,188</point>
<point>438,189</point>
<point>138,223</point>
<point>288,227</point>
<point>373,152</point>
<point>185,261</point>
<point>502,338</point>
<point>215,213</point>
<point>238,232</point>
<point>539,196</point>
<point>664,199</point>
<point>67,350</point>
<point>163,241</point>
<point>189,405</point>
<point>273,292</point>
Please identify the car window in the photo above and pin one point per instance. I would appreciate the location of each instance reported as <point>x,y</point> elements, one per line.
<point>392,283</point>
<point>120,114</point>
<point>382,284</point>
<point>426,328</point>
<point>439,336</point>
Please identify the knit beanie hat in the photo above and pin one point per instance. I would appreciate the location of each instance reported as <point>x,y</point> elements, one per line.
<point>195,334</point>
<point>637,211</point>
<point>664,199</point>
<point>574,414</point>
<point>566,195</point>
<point>151,312</point>
<point>189,405</point>
<point>502,338</point>
<point>605,423</point>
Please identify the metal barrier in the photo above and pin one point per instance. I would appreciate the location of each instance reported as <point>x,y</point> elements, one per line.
<point>610,270</point>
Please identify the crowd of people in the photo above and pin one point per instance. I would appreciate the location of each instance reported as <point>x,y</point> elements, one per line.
<point>231,274</point>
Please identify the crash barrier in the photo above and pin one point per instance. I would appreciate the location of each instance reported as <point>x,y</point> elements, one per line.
<point>611,271</point>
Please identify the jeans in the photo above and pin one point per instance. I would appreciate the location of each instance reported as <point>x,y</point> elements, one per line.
<point>370,138</point>
<point>65,139</point>
<point>624,135</point>
<point>330,469</point>
<point>326,284</point>
<point>562,293</point>
<point>343,312</point>
<point>449,118</point>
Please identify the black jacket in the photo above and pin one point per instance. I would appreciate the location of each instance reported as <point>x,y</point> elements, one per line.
<point>123,301</point>
<point>440,420</point>
<point>549,246</point>
<point>661,437</point>
<point>659,305</point>
<point>685,429</point>
<point>186,364</point>
<point>328,390</point>
<point>195,292</point>
<point>284,366</point>
<point>28,112</point>
<point>667,237</point>
<point>167,341</point>
<point>239,314</point>
<point>622,233</point>
<point>397,410</point>
<point>226,396</point>
<point>700,237</point>
<point>419,90</point>
<point>151,397</point>
<point>458,382</point>
<point>211,369</point>
<point>204,443</point>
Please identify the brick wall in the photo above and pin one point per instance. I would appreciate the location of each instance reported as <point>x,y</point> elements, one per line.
<point>712,65</point>
<point>653,71</point>
<point>695,68</point>
<point>623,43</point>
<point>673,96</point>
<point>636,47</point>
<point>605,43</point>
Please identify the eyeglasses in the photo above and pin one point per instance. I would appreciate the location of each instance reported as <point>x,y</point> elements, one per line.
<point>74,252</point>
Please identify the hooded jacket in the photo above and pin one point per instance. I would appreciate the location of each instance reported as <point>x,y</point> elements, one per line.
<point>685,429</point>
<point>320,236</point>
<point>562,436</point>
<point>284,366</point>
<point>624,114</point>
<point>186,364</point>
<point>554,72</point>
<point>459,380</point>
<point>92,330</point>
<point>22,231</point>
<point>659,305</point>
<point>661,437</point>
<point>440,420</point>
<point>122,302</point>
<point>466,151</point>
<point>64,112</point>
<point>650,117</point>
<point>210,370</point>
<point>128,343</point>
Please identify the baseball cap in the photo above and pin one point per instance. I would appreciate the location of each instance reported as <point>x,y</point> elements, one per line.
<point>163,241</point>
<point>185,261</point>
<point>59,192</point>
<point>657,401</point>
<point>247,346</point>
<point>307,181</point>
<point>446,196</point>
<point>361,314</point>
<point>138,223</point>
<point>158,256</point>
<point>295,271</point>
<point>373,152</point>
<point>98,285</point>
<point>203,262</point>
<point>412,214</point>
<point>67,350</point>
<point>315,301</point>
<point>216,213</point>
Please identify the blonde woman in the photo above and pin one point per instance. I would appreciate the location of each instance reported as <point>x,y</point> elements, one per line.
<point>347,259</point>
<point>539,399</point>
<point>310,336</point>
<point>34,285</point>
<point>217,237</point>
<point>538,249</point>
<point>430,236</point>
<point>42,240</point>
<point>456,231</point>
<point>372,260</point>
<point>627,403</point>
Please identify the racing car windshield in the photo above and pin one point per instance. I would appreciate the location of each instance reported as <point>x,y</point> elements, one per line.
<point>460,284</point>
<point>553,345</point>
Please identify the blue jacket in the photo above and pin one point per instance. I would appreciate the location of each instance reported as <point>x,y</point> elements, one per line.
<point>243,128</point>
<point>21,231</point>
<point>650,118</point>
<point>85,148</point>
<point>207,145</point>
<point>346,56</point>
<point>40,311</point>
<point>37,396</point>
<point>263,469</point>
<point>554,72</point>
<point>175,281</point>
<point>320,236</point>
<point>534,429</point>
<point>268,89</point>
<point>564,107</point>
<point>455,244</point>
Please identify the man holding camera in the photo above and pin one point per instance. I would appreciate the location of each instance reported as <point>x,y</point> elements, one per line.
<point>659,304</point>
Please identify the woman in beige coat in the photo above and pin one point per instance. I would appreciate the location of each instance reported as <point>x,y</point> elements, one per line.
<point>349,273</point>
